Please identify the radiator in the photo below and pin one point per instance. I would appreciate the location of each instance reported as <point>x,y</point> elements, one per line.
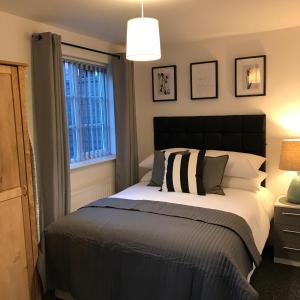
<point>97,190</point>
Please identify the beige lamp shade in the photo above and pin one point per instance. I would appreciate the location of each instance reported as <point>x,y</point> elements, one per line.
<point>290,155</point>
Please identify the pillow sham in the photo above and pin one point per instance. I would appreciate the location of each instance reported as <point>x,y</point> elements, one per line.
<point>147,177</point>
<point>148,162</point>
<point>213,172</point>
<point>245,165</point>
<point>247,184</point>
<point>184,173</point>
<point>240,164</point>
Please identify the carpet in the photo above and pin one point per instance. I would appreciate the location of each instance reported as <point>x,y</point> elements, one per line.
<point>276,281</point>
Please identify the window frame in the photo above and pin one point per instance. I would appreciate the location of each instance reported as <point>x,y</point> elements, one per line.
<point>111,130</point>
<point>91,162</point>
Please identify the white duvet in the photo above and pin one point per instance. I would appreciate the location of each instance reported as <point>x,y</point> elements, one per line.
<point>255,208</point>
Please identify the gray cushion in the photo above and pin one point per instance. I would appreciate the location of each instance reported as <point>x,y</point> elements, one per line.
<point>158,170</point>
<point>213,172</point>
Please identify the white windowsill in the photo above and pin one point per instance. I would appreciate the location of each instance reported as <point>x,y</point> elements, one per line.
<point>91,162</point>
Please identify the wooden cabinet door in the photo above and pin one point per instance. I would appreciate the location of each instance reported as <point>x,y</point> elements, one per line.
<point>13,265</point>
<point>14,218</point>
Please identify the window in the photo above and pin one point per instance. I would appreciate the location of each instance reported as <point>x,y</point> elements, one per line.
<point>89,116</point>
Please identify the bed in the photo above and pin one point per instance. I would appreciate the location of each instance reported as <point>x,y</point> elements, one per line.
<point>146,244</point>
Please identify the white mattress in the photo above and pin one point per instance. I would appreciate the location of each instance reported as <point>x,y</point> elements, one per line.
<point>255,208</point>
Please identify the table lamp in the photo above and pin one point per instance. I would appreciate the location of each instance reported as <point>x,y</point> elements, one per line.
<point>290,161</point>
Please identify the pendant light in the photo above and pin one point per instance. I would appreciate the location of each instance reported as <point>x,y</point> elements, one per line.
<point>143,41</point>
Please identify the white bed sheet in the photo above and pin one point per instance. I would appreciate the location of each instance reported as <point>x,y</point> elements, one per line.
<point>255,208</point>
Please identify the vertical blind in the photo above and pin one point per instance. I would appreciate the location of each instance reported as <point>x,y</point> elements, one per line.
<point>87,110</point>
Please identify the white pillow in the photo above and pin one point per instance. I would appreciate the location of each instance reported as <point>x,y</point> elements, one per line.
<point>147,163</point>
<point>248,184</point>
<point>147,177</point>
<point>240,164</point>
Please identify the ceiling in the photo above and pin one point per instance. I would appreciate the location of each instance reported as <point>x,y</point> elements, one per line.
<point>180,20</point>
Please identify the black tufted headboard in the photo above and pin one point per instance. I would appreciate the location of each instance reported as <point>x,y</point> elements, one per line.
<point>241,133</point>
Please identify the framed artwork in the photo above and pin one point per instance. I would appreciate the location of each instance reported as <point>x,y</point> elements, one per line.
<point>250,76</point>
<point>164,85</point>
<point>204,80</point>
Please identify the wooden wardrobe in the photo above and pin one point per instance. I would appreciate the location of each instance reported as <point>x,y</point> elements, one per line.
<point>18,235</point>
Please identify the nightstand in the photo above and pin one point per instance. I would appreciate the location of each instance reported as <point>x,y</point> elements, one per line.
<point>286,232</point>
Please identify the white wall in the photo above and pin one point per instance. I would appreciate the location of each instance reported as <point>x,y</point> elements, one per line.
<point>281,105</point>
<point>91,183</point>
<point>15,34</point>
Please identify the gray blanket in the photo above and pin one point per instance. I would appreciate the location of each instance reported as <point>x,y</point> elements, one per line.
<point>117,249</point>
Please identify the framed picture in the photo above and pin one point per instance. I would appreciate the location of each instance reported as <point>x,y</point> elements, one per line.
<point>204,80</point>
<point>164,85</point>
<point>250,76</point>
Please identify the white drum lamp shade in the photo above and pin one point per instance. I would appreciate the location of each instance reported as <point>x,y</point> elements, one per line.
<point>143,40</point>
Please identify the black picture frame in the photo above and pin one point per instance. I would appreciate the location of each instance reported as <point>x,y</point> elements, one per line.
<point>261,60</point>
<point>214,66</point>
<point>159,95</point>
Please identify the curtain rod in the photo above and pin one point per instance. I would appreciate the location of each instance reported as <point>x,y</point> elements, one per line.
<point>90,49</point>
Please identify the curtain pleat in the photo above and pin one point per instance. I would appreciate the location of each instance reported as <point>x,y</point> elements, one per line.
<point>125,122</point>
<point>50,135</point>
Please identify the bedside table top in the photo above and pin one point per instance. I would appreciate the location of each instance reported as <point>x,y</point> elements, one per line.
<point>281,201</point>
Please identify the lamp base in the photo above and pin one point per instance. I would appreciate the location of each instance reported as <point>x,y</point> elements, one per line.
<point>293,194</point>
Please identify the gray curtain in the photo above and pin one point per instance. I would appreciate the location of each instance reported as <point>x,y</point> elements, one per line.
<point>50,134</point>
<point>126,136</point>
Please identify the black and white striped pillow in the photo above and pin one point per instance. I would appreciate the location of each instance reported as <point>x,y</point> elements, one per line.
<point>184,173</point>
